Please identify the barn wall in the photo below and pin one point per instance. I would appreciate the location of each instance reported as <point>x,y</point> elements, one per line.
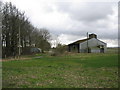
<point>73,48</point>
<point>91,43</point>
<point>95,50</point>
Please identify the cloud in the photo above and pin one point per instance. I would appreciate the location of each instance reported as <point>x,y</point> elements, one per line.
<point>86,11</point>
<point>72,19</point>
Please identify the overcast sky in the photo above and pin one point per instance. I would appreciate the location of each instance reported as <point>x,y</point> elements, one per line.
<point>70,20</point>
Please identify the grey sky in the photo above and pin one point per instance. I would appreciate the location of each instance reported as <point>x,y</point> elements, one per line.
<point>70,20</point>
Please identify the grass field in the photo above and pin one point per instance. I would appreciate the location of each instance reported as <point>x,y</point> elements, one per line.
<point>67,71</point>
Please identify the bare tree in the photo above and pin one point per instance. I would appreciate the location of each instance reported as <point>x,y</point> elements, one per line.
<point>18,31</point>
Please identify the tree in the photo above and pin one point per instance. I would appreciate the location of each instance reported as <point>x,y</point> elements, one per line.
<point>45,34</point>
<point>1,6</point>
<point>18,31</point>
<point>40,38</point>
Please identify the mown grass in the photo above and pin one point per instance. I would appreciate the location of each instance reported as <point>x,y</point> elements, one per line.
<point>67,71</point>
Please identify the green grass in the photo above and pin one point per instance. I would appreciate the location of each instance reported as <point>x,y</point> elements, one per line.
<point>68,71</point>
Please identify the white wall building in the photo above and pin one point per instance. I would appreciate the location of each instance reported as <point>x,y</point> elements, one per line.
<point>91,45</point>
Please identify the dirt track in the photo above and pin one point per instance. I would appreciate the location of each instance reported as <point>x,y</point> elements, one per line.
<point>12,59</point>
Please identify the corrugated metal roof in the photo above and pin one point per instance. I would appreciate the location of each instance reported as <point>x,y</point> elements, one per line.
<point>83,40</point>
<point>79,41</point>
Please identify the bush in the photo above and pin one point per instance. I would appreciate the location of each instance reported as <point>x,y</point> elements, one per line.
<point>52,53</point>
<point>59,50</point>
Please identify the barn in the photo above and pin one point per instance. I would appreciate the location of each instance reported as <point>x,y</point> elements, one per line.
<point>88,45</point>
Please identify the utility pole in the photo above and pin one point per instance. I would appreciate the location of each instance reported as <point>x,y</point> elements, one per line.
<point>87,43</point>
<point>19,41</point>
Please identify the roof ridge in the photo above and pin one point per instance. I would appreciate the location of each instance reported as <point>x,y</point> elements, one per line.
<point>79,41</point>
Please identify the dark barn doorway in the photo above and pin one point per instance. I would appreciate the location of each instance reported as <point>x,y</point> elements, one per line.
<point>102,50</point>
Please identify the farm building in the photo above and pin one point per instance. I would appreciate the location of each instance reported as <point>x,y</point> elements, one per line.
<point>90,45</point>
